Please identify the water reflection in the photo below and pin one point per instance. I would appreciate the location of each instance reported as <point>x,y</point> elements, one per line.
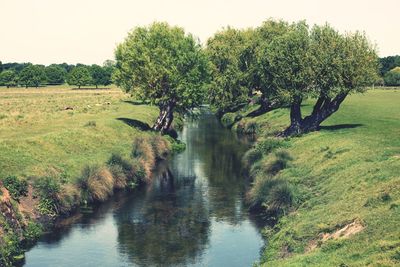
<point>171,229</point>
<point>192,214</point>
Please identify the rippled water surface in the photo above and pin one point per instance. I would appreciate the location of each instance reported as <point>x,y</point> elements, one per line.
<point>191,215</point>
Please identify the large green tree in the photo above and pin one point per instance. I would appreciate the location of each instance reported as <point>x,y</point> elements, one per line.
<point>164,65</point>
<point>8,78</point>
<point>55,74</point>
<point>321,64</point>
<point>79,76</point>
<point>271,96</point>
<point>100,75</point>
<point>231,54</point>
<point>33,75</point>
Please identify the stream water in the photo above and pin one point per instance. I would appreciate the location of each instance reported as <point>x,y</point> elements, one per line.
<point>192,214</point>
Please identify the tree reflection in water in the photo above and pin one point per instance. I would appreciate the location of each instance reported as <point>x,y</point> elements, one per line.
<point>170,229</point>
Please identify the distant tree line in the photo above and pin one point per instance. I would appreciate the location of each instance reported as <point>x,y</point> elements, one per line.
<point>31,75</point>
<point>390,70</point>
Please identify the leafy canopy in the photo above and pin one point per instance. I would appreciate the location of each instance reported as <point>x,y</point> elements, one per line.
<point>230,53</point>
<point>33,75</point>
<point>55,74</point>
<point>164,65</point>
<point>79,76</point>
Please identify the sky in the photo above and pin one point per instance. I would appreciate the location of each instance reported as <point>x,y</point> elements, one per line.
<point>87,31</point>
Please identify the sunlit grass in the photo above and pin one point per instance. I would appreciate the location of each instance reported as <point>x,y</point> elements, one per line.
<point>53,130</point>
<point>343,172</point>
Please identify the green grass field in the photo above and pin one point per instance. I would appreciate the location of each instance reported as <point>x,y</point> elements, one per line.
<point>347,172</point>
<point>40,135</point>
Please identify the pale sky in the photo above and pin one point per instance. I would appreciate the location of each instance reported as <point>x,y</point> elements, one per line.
<point>87,31</point>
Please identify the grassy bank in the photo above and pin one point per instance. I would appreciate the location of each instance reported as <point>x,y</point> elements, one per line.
<point>61,147</point>
<point>342,185</point>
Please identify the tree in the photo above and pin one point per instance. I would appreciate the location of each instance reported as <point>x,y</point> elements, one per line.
<point>231,55</point>
<point>321,64</point>
<point>55,74</point>
<point>389,63</point>
<point>392,77</point>
<point>8,78</point>
<point>1,66</point>
<point>271,96</point>
<point>79,76</point>
<point>32,75</point>
<point>100,75</point>
<point>164,65</point>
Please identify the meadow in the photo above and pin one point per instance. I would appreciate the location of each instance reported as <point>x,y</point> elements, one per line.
<point>57,130</point>
<point>345,181</point>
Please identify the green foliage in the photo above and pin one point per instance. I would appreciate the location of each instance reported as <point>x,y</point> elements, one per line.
<point>273,194</point>
<point>392,77</point>
<point>165,66</point>
<point>17,187</point>
<point>389,63</point>
<point>228,119</point>
<point>251,156</point>
<point>177,146</point>
<point>132,169</point>
<point>268,145</point>
<point>100,75</point>
<point>230,52</point>
<point>10,251</point>
<point>79,76</point>
<point>96,183</point>
<point>33,75</point>
<point>48,189</point>
<point>8,78</point>
<point>55,74</point>
<point>32,231</point>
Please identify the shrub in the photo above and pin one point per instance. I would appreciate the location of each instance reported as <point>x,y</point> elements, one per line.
<point>250,127</point>
<point>96,182</point>
<point>119,175</point>
<point>133,171</point>
<point>116,159</point>
<point>161,146</point>
<point>268,145</point>
<point>176,146</point>
<point>251,157</point>
<point>17,187</point>
<point>69,196</point>
<point>141,148</point>
<point>48,189</point>
<point>228,119</point>
<point>273,194</point>
<point>10,251</point>
<point>270,165</point>
<point>138,173</point>
<point>32,232</point>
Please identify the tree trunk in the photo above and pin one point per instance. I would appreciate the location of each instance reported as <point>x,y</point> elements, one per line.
<point>165,118</point>
<point>265,106</point>
<point>323,109</point>
<point>295,119</point>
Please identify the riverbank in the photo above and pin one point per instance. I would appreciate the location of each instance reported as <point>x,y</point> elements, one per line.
<point>61,148</point>
<point>338,194</point>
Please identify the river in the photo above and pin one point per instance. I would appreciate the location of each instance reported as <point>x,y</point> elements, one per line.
<point>192,213</point>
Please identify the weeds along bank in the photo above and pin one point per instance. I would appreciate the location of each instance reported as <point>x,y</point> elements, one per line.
<point>333,194</point>
<point>62,148</point>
